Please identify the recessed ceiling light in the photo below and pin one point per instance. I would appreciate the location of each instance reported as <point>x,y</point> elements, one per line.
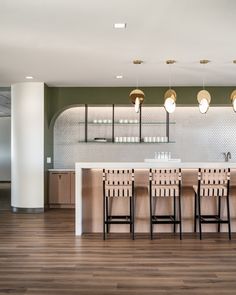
<point>119,77</point>
<point>29,77</point>
<point>120,25</point>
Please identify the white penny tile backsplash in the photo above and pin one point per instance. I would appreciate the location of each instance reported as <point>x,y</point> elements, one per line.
<point>197,137</point>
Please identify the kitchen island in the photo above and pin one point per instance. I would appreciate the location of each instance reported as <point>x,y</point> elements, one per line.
<point>88,217</point>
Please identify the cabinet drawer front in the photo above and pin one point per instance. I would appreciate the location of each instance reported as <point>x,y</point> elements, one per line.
<point>59,188</point>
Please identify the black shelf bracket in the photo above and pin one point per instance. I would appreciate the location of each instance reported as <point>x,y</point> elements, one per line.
<point>168,126</point>
<point>140,123</point>
<point>113,123</point>
<point>86,124</point>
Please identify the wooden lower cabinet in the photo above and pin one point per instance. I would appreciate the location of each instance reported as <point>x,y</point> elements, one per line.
<point>61,189</point>
<point>72,187</point>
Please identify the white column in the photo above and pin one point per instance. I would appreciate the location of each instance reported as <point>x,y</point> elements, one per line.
<point>27,141</point>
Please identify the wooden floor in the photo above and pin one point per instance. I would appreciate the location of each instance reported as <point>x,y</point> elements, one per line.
<point>39,254</point>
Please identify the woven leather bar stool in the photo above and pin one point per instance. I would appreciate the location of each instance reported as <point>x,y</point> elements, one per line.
<point>165,183</point>
<point>118,184</point>
<point>212,183</point>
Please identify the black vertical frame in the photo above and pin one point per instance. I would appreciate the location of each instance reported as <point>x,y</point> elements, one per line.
<point>86,123</point>
<point>168,126</point>
<point>113,123</point>
<point>140,123</point>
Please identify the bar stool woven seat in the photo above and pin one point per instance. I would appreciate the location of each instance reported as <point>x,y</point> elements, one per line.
<point>118,184</point>
<point>212,183</point>
<point>165,183</point>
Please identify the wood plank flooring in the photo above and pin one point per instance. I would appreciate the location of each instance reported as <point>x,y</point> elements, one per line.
<point>39,254</point>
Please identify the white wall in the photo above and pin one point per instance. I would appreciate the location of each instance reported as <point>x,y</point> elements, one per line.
<point>5,148</point>
<point>28,145</point>
<point>197,138</point>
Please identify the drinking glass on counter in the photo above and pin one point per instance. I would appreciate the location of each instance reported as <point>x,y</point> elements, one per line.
<point>163,155</point>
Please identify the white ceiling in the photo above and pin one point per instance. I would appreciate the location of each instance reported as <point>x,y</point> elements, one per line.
<point>73,42</point>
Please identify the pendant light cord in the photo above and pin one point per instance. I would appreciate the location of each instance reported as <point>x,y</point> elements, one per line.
<point>203,76</point>
<point>170,76</point>
<point>137,77</point>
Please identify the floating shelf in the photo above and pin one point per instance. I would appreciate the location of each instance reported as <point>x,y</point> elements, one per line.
<point>142,142</point>
<point>157,123</point>
<point>139,126</point>
<point>129,124</point>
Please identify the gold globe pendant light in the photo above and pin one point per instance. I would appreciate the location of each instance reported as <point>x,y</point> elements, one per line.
<point>233,99</point>
<point>203,96</point>
<point>233,95</point>
<point>137,95</point>
<point>137,98</point>
<point>170,99</point>
<point>170,95</point>
<point>204,99</point>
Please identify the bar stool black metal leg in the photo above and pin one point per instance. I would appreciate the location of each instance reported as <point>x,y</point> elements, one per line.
<point>107,213</point>
<point>130,214</point>
<point>174,225</point>
<point>195,212</point>
<point>180,218</point>
<point>228,216</point>
<point>104,219</point>
<point>133,217</point>
<point>219,212</point>
<point>199,216</point>
<point>151,225</point>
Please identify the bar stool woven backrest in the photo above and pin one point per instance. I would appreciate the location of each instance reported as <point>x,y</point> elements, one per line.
<point>118,183</point>
<point>165,182</point>
<point>213,182</point>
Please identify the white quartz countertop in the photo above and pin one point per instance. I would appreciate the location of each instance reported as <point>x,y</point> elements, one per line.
<point>146,165</point>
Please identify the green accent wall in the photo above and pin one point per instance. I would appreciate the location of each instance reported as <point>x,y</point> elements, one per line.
<point>61,98</point>
<point>5,88</point>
